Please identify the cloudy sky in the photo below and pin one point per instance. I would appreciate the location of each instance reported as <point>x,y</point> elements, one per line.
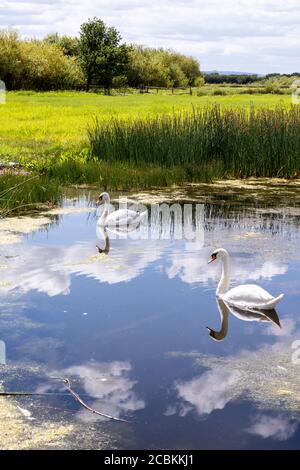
<point>240,35</point>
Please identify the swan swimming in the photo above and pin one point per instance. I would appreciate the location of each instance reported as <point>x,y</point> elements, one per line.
<point>121,217</point>
<point>246,296</point>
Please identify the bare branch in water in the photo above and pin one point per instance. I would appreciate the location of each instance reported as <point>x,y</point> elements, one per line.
<point>67,384</point>
<point>87,407</point>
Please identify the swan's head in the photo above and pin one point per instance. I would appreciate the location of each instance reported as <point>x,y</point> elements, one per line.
<point>221,253</point>
<point>103,197</point>
<point>215,335</point>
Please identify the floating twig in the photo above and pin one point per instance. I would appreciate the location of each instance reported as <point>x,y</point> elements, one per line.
<point>87,407</point>
<point>67,384</point>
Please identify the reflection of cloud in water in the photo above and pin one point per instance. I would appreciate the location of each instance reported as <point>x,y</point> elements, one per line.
<point>278,428</point>
<point>191,267</point>
<point>49,269</point>
<point>211,391</point>
<point>111,384</point>
<point>268,377</point>
<point>287,329</point>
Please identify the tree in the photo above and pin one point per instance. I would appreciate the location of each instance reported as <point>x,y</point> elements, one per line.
<point>10,58</point>
<point>101,54</point>
<point>68,44</point>
<point>45,67</point>
<point>161,67</point>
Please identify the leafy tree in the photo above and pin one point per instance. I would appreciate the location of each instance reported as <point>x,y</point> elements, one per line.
<point>69,44</point>
<point>101,54</point>
<point>238,79</point>
<point>36,65</point>
<point>10,58</point>
<point>45,67</point>
<point>161,67</point>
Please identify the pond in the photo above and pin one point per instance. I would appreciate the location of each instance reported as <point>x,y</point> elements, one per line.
<point>128,326</point>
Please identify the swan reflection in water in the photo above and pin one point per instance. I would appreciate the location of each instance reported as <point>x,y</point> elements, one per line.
<point>103,232</point>
<point>105,250</point>
<point>245,315</point>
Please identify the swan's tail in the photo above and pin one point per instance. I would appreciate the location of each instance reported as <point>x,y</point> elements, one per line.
<point>271,304</point>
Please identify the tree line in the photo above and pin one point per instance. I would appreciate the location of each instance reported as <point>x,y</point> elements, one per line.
<point>234,79</point>
<point>96,58</point>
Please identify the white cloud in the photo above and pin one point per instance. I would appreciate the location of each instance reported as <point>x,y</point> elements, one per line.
<point>49,269</point>
<point>110,385</point>
<point>277,428</point>
<point>211,391</point>
<point>259,36</point>
<point>191,267</point>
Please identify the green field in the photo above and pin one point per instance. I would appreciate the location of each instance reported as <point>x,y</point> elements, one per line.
<point>48,134</point>
<point>34,124</point>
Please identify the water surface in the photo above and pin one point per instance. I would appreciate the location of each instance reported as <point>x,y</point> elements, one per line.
<point>129,328</point>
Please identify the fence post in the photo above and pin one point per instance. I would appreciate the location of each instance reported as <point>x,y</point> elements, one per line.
<point>191,91</point>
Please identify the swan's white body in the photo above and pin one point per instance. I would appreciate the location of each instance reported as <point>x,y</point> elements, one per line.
<point>119,218</point>
<point>248,296</point>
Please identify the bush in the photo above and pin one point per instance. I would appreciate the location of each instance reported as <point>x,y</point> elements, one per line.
<point>10,58</point>
<point>160,67</point>
<point>201,92</point>
<point>219,92</point>
<point>36,65</point>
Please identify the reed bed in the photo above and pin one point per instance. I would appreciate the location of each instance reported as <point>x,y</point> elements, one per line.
<point>121,175</point>
<point>256,142</point>
<point>21,193</point>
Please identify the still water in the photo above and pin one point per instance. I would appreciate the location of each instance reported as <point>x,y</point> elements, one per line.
<point>129,328</point>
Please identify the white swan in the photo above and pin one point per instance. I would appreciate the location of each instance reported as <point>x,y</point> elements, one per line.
<point>119,218</point>
<point>247,296</point>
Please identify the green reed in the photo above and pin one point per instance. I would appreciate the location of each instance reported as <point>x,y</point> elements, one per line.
<point>20,193</point>
<point>256,142</point>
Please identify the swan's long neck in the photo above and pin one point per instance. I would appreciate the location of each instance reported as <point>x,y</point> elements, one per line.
<point>223,285</point>
<point>106,241</point>
<point>107,244</point>
<point>223,310</point>
<point>106,208</point>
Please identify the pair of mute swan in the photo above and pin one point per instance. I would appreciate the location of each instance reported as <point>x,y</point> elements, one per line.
<point>244,315</point>
<point>119,218</point>
<point>245,297</point>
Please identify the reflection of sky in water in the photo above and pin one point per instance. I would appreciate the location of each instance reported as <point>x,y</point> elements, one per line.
<point>130,328</point>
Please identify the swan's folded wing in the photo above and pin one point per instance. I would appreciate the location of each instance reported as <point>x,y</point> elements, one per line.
<point>121,217</point>
<point>247,295</point>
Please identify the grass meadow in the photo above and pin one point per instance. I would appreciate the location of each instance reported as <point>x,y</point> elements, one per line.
<point>140,141</point>
<point>36,124</point>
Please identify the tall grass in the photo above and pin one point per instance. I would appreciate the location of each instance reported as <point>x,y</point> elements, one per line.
<point>123,175</point>
<point>243,142</point>
<point>39,125</point>
<point>20,193</point>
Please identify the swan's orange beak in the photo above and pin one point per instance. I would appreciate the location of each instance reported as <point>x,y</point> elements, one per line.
<point>99,200</point>
<point>213,258</point>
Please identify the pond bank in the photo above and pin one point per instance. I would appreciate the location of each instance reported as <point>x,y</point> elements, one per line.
<point>32,192</point>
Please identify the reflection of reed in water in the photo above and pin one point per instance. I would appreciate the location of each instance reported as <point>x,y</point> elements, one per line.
<point>244,315</point>
<point>282,220</point>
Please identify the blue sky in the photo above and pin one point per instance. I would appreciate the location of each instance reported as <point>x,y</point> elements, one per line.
<point>242,35</point>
